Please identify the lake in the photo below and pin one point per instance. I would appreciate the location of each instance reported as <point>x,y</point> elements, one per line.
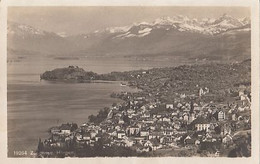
<point>33,106</point>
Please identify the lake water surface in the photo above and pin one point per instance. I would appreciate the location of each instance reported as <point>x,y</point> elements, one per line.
<point>33,106</point>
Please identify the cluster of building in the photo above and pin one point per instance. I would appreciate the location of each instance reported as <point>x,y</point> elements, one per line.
<point>145,125</point>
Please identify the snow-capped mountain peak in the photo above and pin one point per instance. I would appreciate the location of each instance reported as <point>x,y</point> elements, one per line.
<point>22,29</point>
<point>30,29</point>
<point>184,36</point>
<point>245,20</point>
<point>227,20</point>
<point>162,26</point>
<point>164,21</point>
<point>117,29</point>
<point>208,26</point>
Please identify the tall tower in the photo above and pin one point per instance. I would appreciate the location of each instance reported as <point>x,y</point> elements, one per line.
<point>191,115</point>
<point>191,106</point>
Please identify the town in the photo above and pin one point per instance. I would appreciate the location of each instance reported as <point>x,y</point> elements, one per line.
<point>207,119</point>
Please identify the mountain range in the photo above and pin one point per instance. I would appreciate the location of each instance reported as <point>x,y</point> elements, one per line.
<point>221,39</point>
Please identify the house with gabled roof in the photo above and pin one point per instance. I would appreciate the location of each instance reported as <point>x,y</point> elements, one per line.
<point>155,144</point>
<point>128,141</point>
<point>140,148</point>
<point>146,114</point>
<point>189,143</point>
<point>201,124</point>
<point>169,106</point>
<point>65,129</point>
<point>112,132</point>
<point>155,134</point>
<point>227,139</point>
<point>120,134</point>
<point>86,136</point>
<point>98,136</point>
<point>133,130</point>
<point>144,132</point>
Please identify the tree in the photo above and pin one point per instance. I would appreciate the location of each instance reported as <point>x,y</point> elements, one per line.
<point>91,118</point>
<point>217,130</point>
<point>184,153</point>
<point>40,146</point>
<point>126,119</point>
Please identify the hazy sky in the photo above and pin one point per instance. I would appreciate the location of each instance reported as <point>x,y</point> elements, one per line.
<point>77,20</point>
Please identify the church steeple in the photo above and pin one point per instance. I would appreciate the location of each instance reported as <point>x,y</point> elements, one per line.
<point>191,115</point>
<point>191,107</point>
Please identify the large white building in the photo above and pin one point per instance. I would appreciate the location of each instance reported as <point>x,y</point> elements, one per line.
<point>201,124</point>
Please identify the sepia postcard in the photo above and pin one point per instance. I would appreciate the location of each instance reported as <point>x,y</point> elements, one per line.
<point>133,82</point>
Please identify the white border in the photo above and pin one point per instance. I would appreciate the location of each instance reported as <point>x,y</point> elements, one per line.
<point>254,4</point>
<point>127,2</point>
